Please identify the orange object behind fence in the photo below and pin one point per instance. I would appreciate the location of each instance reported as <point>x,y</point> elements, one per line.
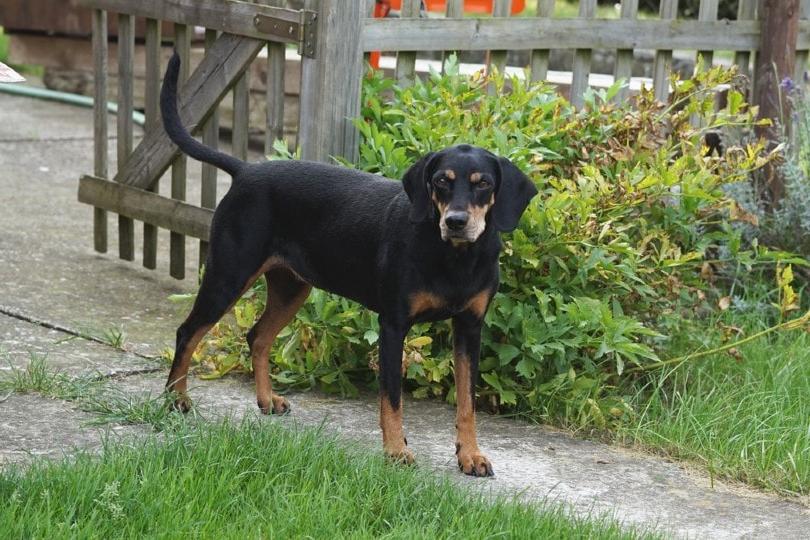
<point>382,7</point>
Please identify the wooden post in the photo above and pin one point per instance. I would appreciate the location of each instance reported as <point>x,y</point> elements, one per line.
<point>330,83</point>
<point>775,61</point>
<point>707,12</point>
<point>126,51</point>
<point>177,242</point>
<point>153,72</point>
<point>453,10</point>
<point>274,128</point>
<point>210,136</point>
<point>100,131</point>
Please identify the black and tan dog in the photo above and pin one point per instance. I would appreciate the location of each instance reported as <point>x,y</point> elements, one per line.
<point>423,253</point>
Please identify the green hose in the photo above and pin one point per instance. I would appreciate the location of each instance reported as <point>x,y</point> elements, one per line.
<point>63,97</point>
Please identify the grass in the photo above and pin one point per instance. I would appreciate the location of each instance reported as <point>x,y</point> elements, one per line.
<point>92,393</point>
<point>743,416</point>
<point>260,480</point>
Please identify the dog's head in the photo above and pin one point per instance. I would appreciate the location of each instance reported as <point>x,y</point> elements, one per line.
<point>467,189</point>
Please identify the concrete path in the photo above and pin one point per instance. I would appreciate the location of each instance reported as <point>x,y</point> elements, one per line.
<point>53,287</point>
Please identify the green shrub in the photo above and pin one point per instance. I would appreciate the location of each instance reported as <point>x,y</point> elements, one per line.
<point>615,249</point>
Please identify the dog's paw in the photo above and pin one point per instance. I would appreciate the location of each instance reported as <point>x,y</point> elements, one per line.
<point>280,406</point>
<point>474,463</point>
<point>400,455</point>
<point>181,403</point>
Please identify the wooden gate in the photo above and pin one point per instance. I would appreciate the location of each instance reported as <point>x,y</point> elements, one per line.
<point>235,32</point>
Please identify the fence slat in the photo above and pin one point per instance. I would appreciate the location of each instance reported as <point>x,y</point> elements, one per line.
<point>210,137</point>
<point>177,242</point>
<point>126,50</point>
<point>746,10</point>
<point>209,83</point>
<point>623,69</point>
<point>405,72</point>
<point>539,57</point>
<point>663,58</point>
<point>802,54</point>
<point>453,10</point>
<point>497,57</point>
<point>241,115</point>
<point>150,232</point>
<point>526,33</point>
<point>582,59</point>
<point>276,61</point>
<point>707,12</point>
<point>100,131</point>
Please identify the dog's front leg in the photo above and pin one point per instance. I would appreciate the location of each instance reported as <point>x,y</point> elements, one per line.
<point>466,349</point>
<point>391,339</point>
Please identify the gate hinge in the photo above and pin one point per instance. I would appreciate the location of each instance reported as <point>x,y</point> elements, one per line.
<point>303,32</point>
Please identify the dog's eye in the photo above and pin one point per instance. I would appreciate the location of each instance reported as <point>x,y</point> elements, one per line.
<point>441,181</point>
<point>483,184</point>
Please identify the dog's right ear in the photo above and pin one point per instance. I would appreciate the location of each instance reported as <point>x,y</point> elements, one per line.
<point>416,182</point>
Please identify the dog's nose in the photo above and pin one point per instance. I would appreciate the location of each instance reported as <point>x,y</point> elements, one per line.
<point>456,219</point>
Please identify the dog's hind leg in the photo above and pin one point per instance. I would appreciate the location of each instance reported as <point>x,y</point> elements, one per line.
<point>221,287</point>
<point>285,295</point>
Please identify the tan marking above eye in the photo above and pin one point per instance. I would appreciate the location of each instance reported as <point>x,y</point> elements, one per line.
<point>475,177</point>
<point>450,173</point>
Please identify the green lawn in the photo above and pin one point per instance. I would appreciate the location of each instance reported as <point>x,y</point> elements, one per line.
<point>259,480</point>
<point>744,417</point>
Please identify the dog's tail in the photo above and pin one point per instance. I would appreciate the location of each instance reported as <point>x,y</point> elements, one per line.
<point>177,133</point>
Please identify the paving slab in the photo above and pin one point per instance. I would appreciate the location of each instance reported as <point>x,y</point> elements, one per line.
<point>33,426</point>
<point>22,341</point>
<point>538,463</point>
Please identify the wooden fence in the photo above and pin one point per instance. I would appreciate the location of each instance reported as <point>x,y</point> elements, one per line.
<point>332,36</point>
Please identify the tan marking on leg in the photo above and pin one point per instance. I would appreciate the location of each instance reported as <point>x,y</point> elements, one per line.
<point>178,376</point>
<point>424,301</point>
<point>478,304</point>
<point>276,316</point>
<point>470,459</point>
<point>450,173</point>
<point>393,436</point>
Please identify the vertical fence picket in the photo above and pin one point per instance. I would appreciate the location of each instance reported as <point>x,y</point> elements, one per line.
<point>100,130</point>
<point>241,115</point>
<point>707,13</point>
<point>406,60</point>
<point>582,59</point>
<point>126,49</point>
<point>802,55</point>
<point>210,137</point>
<point>152,92</point>
<point>746,10</point>
<point>623,69</point>
<point>274,129</point>
<point>539,57</point>
<point>177,241</point>
<point>497,58</point>
<point>663,58</point>
<point>453,10</point>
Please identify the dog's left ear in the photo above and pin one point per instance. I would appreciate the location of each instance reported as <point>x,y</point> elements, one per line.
<point>415,183</point>
<point>514,193</point>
